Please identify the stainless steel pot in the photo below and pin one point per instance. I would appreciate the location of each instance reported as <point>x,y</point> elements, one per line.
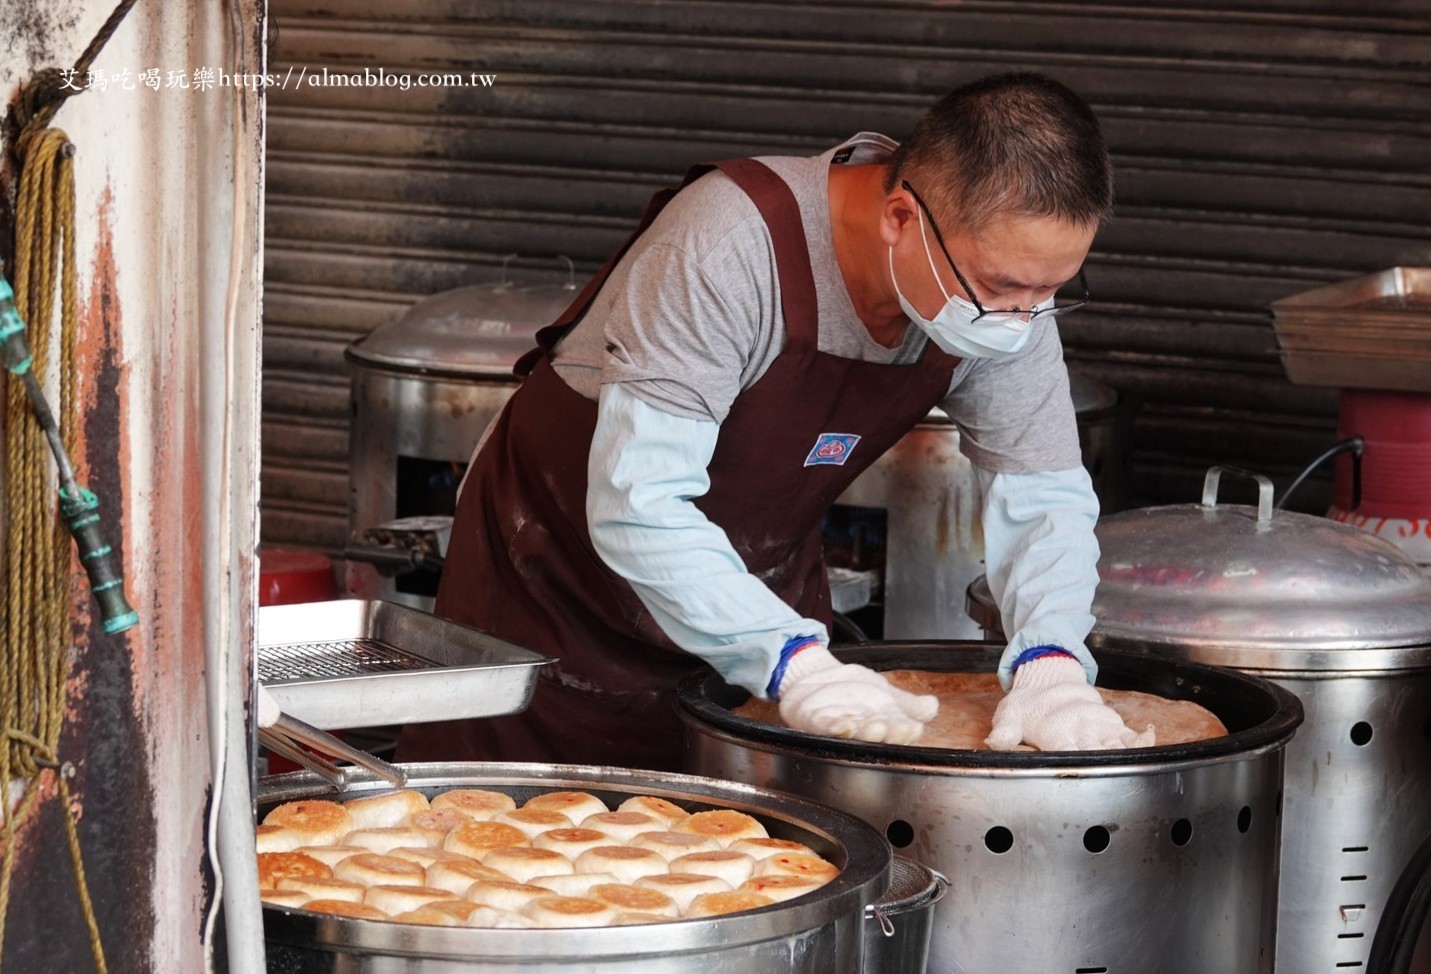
<point>819,933</point>
<point>1120,862</point>
<point>900,924</point>
<point>1339,617</point>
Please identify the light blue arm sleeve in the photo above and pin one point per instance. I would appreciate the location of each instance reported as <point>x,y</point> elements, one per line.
<point>645,467</point>
<point>1041,559</point>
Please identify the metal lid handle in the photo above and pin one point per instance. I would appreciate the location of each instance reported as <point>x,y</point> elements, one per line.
<point>1264,490</point>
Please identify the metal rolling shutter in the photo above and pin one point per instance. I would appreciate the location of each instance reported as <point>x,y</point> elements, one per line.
<point>1260,152</point>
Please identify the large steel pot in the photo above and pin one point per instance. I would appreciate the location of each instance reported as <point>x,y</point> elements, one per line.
<point>1337,616</point>
<point>1152,859</point>
<point>819,933</point>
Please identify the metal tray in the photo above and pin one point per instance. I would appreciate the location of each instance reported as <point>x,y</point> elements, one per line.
<point>360,663</point>
<point>1371,332</point>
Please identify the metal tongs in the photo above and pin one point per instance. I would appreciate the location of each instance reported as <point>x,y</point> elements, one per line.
<point>282,734</point>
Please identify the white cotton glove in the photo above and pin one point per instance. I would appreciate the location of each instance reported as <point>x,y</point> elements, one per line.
<point>821,695</point>
<point>1053,707</point>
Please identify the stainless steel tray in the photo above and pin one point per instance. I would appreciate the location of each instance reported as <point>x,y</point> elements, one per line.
<point>359,663</point>
<point>1371,332</point>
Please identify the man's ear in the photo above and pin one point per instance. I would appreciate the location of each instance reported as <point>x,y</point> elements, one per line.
<point>896,215</point>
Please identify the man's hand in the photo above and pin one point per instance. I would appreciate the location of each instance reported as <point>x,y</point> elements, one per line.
<point>821,695</point>
<point>1053,707</point>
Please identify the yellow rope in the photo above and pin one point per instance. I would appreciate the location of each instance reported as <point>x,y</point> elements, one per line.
<point>35,614</point>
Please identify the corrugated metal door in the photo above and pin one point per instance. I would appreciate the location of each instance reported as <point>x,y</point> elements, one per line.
<point>1260,151</point>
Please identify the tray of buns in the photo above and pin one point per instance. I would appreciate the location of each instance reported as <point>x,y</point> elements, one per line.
<point>360,663</point>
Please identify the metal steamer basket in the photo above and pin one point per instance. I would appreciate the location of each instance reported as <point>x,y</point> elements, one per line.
<point>818,933</point>
<point>1115,862</point>
<point>1335,615</point>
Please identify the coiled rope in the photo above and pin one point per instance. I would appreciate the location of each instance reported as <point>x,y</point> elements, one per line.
<point>35,628</point>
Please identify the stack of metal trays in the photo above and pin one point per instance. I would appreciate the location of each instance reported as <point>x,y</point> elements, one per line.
<point>359,663</point>
<point>1372,332</point>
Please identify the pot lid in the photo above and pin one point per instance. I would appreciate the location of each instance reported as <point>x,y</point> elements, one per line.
<point>477,331</point>
<point>1228,583</point>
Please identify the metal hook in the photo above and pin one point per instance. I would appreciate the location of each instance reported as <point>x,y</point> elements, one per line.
<point>570,272</point>
<point>505,261</point>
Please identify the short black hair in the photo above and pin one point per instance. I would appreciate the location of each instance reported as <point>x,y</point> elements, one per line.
<point>1011,143</point>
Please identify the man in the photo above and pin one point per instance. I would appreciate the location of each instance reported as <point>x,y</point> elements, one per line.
<point>655,488</point>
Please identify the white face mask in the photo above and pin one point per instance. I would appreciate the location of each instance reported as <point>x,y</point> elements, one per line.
<point>954,329</point>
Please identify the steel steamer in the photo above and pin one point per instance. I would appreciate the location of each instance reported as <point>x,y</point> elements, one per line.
<point>1117,862</point>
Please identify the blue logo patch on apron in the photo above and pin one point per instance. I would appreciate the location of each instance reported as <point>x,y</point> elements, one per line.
<point>832,448</point>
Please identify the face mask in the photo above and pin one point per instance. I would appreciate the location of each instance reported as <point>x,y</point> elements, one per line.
<point>954,329</point>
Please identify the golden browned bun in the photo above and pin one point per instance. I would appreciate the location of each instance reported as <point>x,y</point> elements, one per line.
<point>725,825</point>
<point>572,884</point>
<point>635,899</point>
<point>733,867</point>
<point>572,842</point>
<point>474,802</point>
<point>323,889</point>
<point>456,877</point>
<point>273,866</point>
<point>718,904</point>
<point>316,822</point>
<point>490,916</point>
<point>671,845</point>
<point>570,911</point>
<point>524,862</point>
<point>633,919</point>
<point>283,897</point>
<point>623,826</point>
<point>797,864</point>
<point>435,823</point>
<point>759,849</point>
<point>684,887</point>
<point>371,869</point>
<point>331,854</point>
<point>384,839</point>
<point>276,838</point>
<point>476,839</point>
<point>460,910</point>
<point>627,863</point>
<point>667,812</point>
<point>504,896</point>
<point>342,908</point>
<point>575,805</point>
<point>781,888</point>
<point>534,821</point>
<point>385,810</point>
<point>425,856</point>
<point>429,917</point>
<point>393,900</point>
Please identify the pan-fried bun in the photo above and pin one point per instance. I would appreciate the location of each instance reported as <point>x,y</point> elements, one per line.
<point>386,838</point>
<point>317,822</point>
<point>323,889</point>
<point>796,864</point>
<point>475,803</point>
<point>522,863</point>
<point>572,842</point>
<point>274,866</point>
<point>781,888</point>
<point>276,838</point>
<point>623,826</point>
<point>435,823</point>
<point>575,805</point>
<point>673,845</point>
<point>393,900</point>
<point>570,911</point>
<point>476,839</point>
<point>331,855</point>
<point>759,849</point>
<point>718,904</point>
<point>372,869</point>
<point>428,917</point>
<point>490,916</point>
<point>632,919</point>
<point>668,812</point>
<point>425,856</point>
<point>733,867</point>
<point>504,896</point>
<point>627,863</point>
<point>572,884</point>
<point>684,887</point>
<point>342,908</point>
<point>534,821</point>
<point>385,810</point>
<point>725,825</point>
<point>458,877</point>
<point>283,897</point>
<point>635,899</point>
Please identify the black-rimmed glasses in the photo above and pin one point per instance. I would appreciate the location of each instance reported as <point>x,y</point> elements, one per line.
<point>997,317</point>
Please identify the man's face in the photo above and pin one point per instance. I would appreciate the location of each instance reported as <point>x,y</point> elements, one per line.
<point>1013,261</point>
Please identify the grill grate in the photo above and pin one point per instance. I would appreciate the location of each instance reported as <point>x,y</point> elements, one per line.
<point>336,658</point>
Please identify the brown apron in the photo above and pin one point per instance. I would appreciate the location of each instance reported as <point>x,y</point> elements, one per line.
<point>520,564</point>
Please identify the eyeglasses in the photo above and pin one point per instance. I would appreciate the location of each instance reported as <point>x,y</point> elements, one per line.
<point>998,317</point>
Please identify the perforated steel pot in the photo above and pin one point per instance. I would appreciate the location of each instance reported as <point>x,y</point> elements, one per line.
<point>1119,862</point>
<point>1337,616</point>
<point>900,924</point>
<point>818,933</point>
